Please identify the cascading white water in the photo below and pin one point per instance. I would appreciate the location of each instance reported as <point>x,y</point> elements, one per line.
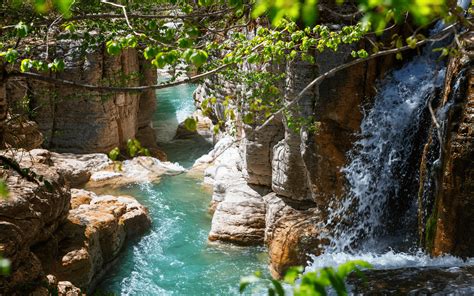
<point>379,160</point>
<point>378,164</point>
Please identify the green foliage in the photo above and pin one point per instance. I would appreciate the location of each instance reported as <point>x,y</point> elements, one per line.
<point>3,189</point>
<point>114,154</point>
<point>5,265</point>
<point>376,12</point>
<point>134,148</point>
<point>313,283</point>
<point>190,124</point>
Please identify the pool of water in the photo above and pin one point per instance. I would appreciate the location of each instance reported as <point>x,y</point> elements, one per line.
<point>175,258</point>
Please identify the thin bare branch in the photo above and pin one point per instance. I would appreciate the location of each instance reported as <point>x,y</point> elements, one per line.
<point>111,89</point>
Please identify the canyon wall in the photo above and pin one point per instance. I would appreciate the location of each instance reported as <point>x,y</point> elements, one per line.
<point>60,239</point>
<point>294,176</point>
<point>79,121</point>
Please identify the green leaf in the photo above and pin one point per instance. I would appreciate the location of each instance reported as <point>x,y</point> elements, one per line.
<point>113,47</point>
<point>184,42</point>
<point>114,154</point>
<point>10,55</point>
<point>160,60</point>
<point>4,266</point>
<point>411,41</point>
<point>292,274</point>
<point>150,52</point>
<point>21,29</point>
<point>57,65</point>
<point>199,57</point>
<point>190,124</point>
<point>278,288</point>
<point>26,65</point>
<point>248,118</point>
<point>64,6</point>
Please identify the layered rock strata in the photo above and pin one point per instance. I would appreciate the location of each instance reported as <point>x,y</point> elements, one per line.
<point>78,121</point>
<point>300,170</point>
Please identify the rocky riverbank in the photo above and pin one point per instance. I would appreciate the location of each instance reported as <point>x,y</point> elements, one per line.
<point>58,237</point>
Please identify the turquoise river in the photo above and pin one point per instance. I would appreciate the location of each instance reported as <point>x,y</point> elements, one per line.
<point>175,258</point>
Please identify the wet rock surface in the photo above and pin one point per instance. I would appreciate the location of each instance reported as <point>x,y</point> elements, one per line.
<point>291,233</point>
<point>136,170</point>
<point>415,281</point>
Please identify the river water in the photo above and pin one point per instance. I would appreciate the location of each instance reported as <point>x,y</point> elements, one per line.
<point>174,258</point>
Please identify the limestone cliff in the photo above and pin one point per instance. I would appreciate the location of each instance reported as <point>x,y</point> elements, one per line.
<point>78,121</point>
<point>303,173</point>
<point>302,170</point>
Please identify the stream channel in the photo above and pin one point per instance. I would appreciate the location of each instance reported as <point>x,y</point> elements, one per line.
<point>175,258</point>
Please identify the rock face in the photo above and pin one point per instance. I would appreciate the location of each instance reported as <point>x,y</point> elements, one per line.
<point>447,185</point>
<point>22,133</point>
<point>79,121</point>
<point>31,213</point>
<point>44,230</point>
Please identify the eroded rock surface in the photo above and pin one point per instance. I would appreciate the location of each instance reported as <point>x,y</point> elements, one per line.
<point>92,236</point>
<point>32,212</point>
<point>44,231</point>
<point>291,232</point>
<point>446,196</point>
<point>75,121</point>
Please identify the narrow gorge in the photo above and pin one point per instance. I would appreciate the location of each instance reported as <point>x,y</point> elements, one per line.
<point>123,179</point>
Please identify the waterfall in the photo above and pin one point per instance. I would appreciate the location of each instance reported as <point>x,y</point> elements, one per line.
<point>379,173</point>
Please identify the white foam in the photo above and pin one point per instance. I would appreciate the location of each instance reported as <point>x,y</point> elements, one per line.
<point>388,260</point>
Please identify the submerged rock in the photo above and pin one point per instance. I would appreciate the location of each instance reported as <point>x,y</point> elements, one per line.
<point>415,281</point>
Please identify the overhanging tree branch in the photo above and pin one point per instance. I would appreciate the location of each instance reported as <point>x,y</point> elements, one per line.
<point>111,89</point>
<point>440,36</point>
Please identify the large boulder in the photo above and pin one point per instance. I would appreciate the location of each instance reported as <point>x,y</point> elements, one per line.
<point>240,217</point>
<point>92,236</point>
<point>291,232</point>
